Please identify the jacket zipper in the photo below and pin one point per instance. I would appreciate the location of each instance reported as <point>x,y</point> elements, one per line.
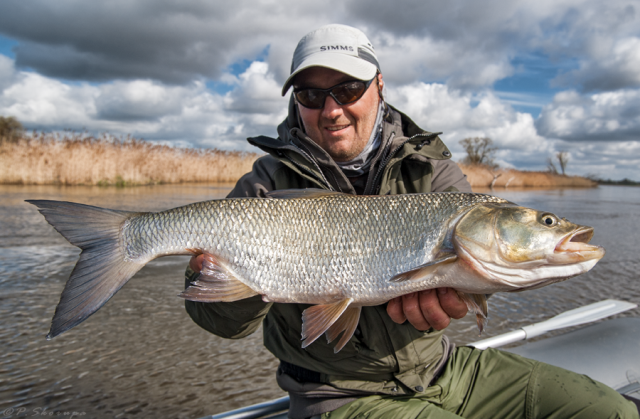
<point>395,150</point>
<point>315,163</point>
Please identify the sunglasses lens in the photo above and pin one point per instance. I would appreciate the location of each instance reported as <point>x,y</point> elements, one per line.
<point>311,98</point>
<point>349,92</point>
<point>343,93</point>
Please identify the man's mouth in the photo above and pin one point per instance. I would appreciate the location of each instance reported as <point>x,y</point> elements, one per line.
<point>337,127</point>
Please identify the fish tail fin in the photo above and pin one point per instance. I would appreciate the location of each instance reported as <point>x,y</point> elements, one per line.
<point>101,269</point>
<point>477,303</point>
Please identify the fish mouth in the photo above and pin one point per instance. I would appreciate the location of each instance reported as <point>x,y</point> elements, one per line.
<point>575,247</point>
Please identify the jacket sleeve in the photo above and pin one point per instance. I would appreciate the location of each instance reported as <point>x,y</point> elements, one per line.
<point>236,319</point>
<point>447,177</point>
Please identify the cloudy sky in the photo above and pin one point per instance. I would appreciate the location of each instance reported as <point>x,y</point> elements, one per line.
<point>536,77</point>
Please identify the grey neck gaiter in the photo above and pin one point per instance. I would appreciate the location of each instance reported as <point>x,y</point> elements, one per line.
<point>360,164</point>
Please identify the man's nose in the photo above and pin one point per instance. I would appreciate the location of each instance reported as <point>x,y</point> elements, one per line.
<point>331,108</point>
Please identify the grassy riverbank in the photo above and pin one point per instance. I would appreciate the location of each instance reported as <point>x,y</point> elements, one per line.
<point>480,176</point>
<point>73,159</point>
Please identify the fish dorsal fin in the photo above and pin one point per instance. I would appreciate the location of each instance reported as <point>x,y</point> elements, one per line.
<point>347,323</point>
<point>478,304</point>
<point>317,319</point>
<point>216,283</point>
<point>427,269</point>
<point>302,193</point>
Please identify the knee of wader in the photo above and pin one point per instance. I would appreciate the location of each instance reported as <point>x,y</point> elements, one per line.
<point>567,394</point>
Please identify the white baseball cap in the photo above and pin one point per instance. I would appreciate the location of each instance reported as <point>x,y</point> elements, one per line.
<point>338,47</point>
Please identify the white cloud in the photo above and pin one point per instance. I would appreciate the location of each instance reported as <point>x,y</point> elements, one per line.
<point>610,67</point>
<point>7,72</point>
<point>139,100</point>
<point>40,102</point>
<point>614,160</point>
<point>257,92</point>
<point>458,114</point>
<point>597,117</point>
<point>190,114</point>
<point>404,59</point>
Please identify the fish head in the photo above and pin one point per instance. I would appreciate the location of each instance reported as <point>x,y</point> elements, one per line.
<point>523,248</point>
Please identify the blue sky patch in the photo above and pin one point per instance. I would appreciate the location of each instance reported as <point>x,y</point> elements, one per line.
<point>6,46</point>
<point>241,66</point>
<point>219,87</point>
<point>529,89</point>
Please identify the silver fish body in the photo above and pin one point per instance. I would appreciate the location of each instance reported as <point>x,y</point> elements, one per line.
<point>334,250</point>
<point>308,250</point>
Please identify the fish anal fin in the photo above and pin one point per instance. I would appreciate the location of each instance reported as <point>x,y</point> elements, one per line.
<point>477,303</point>
<point>302,193</point>
<point>216,283</point>
<point>318,319</point>
<point>427,269</point>
<point>347,323</point>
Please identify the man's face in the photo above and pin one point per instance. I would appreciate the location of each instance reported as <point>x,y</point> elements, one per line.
<point>341,130</point>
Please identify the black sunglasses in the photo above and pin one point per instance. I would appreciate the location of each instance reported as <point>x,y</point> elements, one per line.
<point>342,93</point>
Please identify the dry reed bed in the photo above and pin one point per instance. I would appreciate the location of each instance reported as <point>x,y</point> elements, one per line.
<point>480,176</point>
<point>73,159</point>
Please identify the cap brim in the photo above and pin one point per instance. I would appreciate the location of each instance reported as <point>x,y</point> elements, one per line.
<point>353,66</point>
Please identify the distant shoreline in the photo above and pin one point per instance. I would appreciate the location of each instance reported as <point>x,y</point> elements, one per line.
<point>73,159</point>
<point>480,176</point>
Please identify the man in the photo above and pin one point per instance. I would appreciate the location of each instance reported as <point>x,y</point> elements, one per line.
<point>341,135</point>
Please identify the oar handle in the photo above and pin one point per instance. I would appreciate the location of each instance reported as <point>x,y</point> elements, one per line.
<point>575,317</point>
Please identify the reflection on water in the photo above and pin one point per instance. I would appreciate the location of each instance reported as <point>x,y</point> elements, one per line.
<point>141,355</point>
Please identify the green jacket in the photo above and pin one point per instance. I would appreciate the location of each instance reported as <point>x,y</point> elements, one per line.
<point>382,356</point>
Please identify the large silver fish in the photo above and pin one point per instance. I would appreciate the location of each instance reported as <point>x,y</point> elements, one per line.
<point>337,251</point>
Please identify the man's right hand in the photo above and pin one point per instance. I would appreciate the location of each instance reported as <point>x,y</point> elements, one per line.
<point>425,309</point>
<point>196,263</point>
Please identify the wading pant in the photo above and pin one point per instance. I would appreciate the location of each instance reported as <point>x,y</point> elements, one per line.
<point>495,384</point>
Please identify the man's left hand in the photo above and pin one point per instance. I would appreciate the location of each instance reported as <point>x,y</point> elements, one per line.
<point>426,309</point>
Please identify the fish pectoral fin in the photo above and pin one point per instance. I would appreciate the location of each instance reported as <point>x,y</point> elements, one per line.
<point>347,323</point>
<point>427,269</point>
<point>478,304</point>
<point>302,193</point>
<point>318,319</point>
<point>216,283</point>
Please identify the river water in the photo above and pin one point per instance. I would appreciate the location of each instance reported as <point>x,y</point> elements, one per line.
<point>141,355</point>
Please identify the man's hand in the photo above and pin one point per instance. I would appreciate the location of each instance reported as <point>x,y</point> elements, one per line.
<point>426,309</point>
<point>195,263</point>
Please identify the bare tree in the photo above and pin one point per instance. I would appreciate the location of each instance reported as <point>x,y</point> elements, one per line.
<point>563,160</point>
<point>479,151</point>
<point>10,128</point>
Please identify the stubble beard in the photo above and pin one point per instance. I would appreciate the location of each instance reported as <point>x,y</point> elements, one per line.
<point>360,138</point>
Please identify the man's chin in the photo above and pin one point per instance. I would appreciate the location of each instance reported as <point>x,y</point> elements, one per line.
<point>341,155</point>
<point>342,148</point>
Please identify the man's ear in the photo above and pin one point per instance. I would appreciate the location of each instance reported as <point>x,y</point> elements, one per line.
<point>380,86</point>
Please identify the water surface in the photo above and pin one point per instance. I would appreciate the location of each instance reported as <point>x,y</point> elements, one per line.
<point>141,355</point>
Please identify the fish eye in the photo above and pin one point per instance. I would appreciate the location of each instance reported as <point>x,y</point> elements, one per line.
<point>549,220</point>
